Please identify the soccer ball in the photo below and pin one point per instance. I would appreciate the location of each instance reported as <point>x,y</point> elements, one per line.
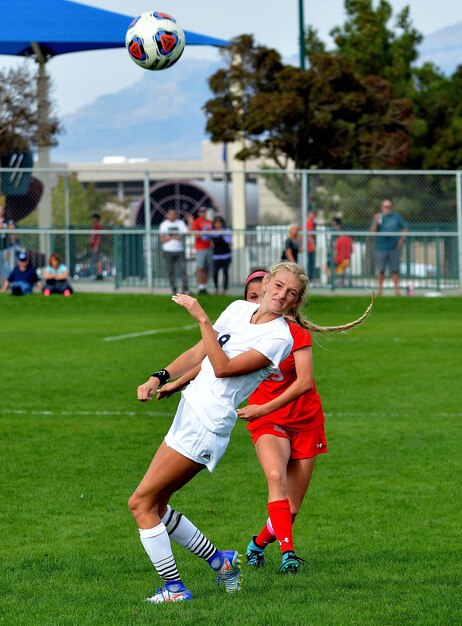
<point>155,41</point>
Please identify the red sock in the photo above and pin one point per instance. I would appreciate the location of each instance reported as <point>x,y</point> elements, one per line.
<point>266,535</point>
<point>281,520</point>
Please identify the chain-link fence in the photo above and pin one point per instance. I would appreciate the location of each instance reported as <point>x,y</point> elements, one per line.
<point>133,202</point>
<point>428,260</point>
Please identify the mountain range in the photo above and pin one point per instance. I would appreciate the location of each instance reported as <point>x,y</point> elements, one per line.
<point>161,116</point>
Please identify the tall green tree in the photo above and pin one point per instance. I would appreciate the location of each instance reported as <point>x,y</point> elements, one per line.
<point>437,129</point>
<point>326,117</point>
<point>377,48</point>
<point>378,45</point>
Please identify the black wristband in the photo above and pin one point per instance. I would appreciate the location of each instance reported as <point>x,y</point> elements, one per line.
<point>162,375</point>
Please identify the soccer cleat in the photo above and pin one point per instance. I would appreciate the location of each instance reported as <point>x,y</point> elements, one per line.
<point>255,555</point>
<point>169,595</point>
<point>290,563</point>
<point>230,571</point>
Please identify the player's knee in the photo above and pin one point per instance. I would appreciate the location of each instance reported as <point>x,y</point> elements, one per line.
<point>135,503</point>
<point>275,477</point>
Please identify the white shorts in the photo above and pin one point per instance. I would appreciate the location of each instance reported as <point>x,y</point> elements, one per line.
<point>189,437</point>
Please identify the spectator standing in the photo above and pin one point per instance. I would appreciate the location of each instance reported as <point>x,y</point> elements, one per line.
<point>95,246</point>
<point>172,232</point>
<point>203,248</point>
<point>221,254</point>
<point>56,277</point>
<point>388,248</point>
<point>311,227</point>
<point>292,244</point>
<point>22,279</point>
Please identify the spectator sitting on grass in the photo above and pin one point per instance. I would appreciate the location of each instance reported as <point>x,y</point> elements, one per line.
<point>22,279</point>
<point>56,277</point>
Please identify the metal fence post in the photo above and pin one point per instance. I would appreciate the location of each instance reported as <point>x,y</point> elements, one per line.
<point>459,222</point>
<point>304,217</point>
<point>438,262</point>
<point>67,220</point>
<point>147,228</point>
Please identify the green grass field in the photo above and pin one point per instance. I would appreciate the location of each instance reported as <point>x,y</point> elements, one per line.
<point>380,526</point>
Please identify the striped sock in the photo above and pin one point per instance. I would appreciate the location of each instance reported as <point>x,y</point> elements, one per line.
<point>156,542</point>
<point>183,532</point>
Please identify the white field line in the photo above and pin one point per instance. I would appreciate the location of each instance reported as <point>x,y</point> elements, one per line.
<point>141,413</point>
<point>144,333</point>
<point>90,413</point>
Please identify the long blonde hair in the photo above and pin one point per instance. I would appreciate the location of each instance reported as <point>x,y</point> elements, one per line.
<point>296,315</point>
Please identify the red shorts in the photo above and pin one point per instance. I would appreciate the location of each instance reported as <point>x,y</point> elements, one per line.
<point>304,444</point>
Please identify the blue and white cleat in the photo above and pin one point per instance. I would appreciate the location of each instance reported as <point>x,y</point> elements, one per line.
<point>176,592</point>
<point>230,571</point>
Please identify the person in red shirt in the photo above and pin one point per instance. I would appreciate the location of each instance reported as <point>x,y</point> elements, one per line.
<point>286,422</point>
<point>311,249</point>
<point>203,248</point>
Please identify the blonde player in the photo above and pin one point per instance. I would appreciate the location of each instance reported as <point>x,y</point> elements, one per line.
<point>243,347</point>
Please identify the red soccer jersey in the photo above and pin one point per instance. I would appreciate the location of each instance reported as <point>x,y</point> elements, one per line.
<point>305,412</point>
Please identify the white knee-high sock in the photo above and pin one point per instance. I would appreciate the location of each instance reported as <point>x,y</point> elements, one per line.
<point>156,542</point>
<point>184,533</point>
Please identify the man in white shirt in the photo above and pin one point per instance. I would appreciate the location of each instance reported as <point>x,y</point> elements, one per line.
<point>172,232</point>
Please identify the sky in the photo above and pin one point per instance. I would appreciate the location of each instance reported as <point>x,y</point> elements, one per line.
<point>79,78</point>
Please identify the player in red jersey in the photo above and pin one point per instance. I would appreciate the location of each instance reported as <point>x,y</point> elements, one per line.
<point>286,423</point>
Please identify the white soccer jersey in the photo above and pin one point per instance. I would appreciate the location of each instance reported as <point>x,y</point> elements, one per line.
<point>214,400</point>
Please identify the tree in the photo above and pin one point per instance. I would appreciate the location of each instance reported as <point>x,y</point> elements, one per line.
<point>437,128</point>
<point>19,124</point>
<point>373,48</point>
<point>326,117</point>
<point>362,105</point>
<point>376,50</point>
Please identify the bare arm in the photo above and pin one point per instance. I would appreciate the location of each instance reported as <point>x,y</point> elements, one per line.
<point>403,237</point>
<point>375,223</point>
<point>63,276</point>
<point>177,385</point>
<point>222,365</point>
<point>181,365</point>
<point>303,383</point>
<point>48,275</point>
<point>165,238</point>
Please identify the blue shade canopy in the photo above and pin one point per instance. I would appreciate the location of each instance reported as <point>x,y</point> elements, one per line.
<point>60,27</point>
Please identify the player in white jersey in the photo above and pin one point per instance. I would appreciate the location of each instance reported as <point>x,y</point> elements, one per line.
<point>247,342</point>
